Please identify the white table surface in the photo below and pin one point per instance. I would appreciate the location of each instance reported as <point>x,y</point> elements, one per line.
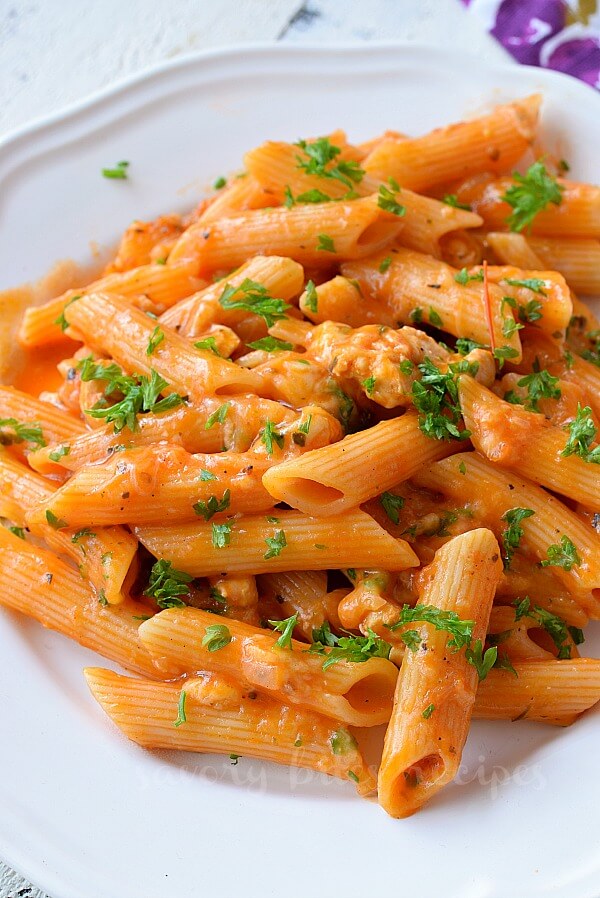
<point>56,52</point>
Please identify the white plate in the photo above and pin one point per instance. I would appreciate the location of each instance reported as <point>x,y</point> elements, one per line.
<point>84,812</point>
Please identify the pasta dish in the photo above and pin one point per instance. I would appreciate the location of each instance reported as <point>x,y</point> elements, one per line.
<point>322,456</point>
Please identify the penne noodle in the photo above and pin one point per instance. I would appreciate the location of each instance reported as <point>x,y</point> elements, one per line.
<point>549,691</point>
<point>40,585</point>
<point>577,215</point>
<point>577,260</point>
<point>494,142</point>
<point>303,593</point>
<point>241,194</point>
<point>530,445</point>
<point>356,694</point>
<point>425,219</point>
<point>490,492</point>
<point>155,287</point>
<point>351,230</point>
<point>281,277</point>
<point>221,719</point>
<point>57,426</point>
<point>184,426</point>
<point>104,556</point>
<point>436,686</point>
<point>418,288</point>
<point>336,478</point>
<point>156,484</point>
<point>296,542</point>
<point>103,319</point>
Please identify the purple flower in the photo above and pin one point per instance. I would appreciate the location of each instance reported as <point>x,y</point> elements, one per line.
<point>579,57</point>
<point>523,26</point>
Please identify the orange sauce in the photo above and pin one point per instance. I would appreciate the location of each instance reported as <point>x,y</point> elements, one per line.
<point>38,371</point>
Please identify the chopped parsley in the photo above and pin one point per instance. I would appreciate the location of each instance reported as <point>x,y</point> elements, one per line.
<point>540,384</point>
<point>255,298</point>
<point>208,344</point>
<point>207,475</point>
<point>85,532</point>
<point>167,585</point>
<point>275,545</point>
<point>61,321</point>
<point>343,742</point>
<point>530,194</point>
<point>220,183</point>
<point>212,506</point>
<point>140,394</point>
<point>286,628</point>
<point>385,264</point>
<point>221,535</point>
<point>434,318</point>
<point>451,199</point>
<point>459,630</point>
<point>464,346</point>
<point>270,435</point>
<point>481,661</point>
<point>325,243</point>
<point>118,173</point>
<point>355,649</point>
<point>535,284</point>
<point>271,344</point>
<point>369,385</point>
<point>392,505</point>
<point>21,433</point>
<point>502,353</point>
<point>59,453</point>
<point>55,523</point>
<point>555,626</point>
<point>582,433</point>
<point>435,396</point>
<point>463,277</point>
<point>320,159</point>
<point>311,300</point>
<point>428,711</point>
<point>563,554</point>
<point>217,417</point>
<point>216,637</point>
<point>512,535</point>
<point>156,338</point>
<point>17,531</point>
<point>387,198</point>
<point>181,716</point>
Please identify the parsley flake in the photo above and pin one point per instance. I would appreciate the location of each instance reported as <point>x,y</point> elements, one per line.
<point>216,637</point>
<point>530,194</point>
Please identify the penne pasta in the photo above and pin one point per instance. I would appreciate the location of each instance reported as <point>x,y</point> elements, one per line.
<point>295,542</point>
<point>313,436</point>
<point>102,319</point>
<point>154,287</point>
<point>493,492</point>
<point>356,694</point>
<point>549,691</point>
<point>331,480</point>
<point>351,230</point>
<point>577,260</point>
<point>221,719</point>
<point>40,585</point>
<point>494,142</point>
<point>532,447</point>
<point>436,686</point>
<point>104,556</point>
<point>420,288</point>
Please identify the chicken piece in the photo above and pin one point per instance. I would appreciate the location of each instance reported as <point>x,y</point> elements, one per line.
<point>376,360</point>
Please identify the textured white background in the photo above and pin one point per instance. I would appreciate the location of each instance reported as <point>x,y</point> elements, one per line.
<point>55,52</point>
